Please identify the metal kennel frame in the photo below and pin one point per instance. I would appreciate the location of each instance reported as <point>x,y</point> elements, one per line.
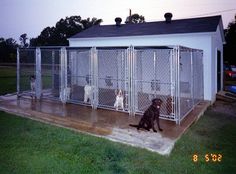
<point>153,78</point>
<point>26,67</point>
<point>112,75</point>
<point>172,73</point>
<point>79,72</point>
<point>51,61</point>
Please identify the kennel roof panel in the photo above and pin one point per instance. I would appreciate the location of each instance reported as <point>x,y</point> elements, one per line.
<point>192,25</point>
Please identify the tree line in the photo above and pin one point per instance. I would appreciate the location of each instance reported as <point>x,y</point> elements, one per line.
<point>50,36</point>
<point>54,36</point>
<point>230,45</point>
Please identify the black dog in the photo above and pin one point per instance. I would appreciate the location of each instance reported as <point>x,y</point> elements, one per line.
<point>150,116</point>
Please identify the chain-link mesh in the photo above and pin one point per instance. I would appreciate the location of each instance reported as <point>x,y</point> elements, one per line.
<point>112,80</point>
<point>152,79</point>
<point>118,79</point>
<point>191,80</point>
<point>50,73</point>
<point>79,76</point>
<point>186,81</point>
<point>198,94</point>
<point>27,72</point>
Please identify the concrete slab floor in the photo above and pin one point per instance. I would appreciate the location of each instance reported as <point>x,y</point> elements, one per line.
<point>108,124</point>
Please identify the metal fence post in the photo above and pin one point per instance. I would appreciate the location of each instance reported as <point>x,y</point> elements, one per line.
<point>131,80</point>
<point>192,77</point>
<point>127,74</point>
<point>202,75</point>
<point>178,84</point>
<point>53,68</point>
<point>38,82</point>
<point>94,76</point>
<point>18,72</point>
<point>172,81</point>
<point>63,75</point>
<point>127,79</point>
<point>175,83</point>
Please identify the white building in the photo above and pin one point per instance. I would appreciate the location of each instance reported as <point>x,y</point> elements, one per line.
<point>205,33</point>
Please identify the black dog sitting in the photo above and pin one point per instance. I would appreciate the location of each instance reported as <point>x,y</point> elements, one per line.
<point>150,116</point>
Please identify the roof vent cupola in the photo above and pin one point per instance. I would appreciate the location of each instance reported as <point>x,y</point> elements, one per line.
<point>168,17</point>
<point>118,21</point>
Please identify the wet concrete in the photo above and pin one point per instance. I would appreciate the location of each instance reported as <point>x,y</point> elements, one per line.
<point>103,123</point>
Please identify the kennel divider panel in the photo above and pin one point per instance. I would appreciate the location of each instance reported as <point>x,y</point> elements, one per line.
<point>79,71</point>
<point>112,66</point>
<point>197,76</point>
<point>174,61</point>
<point>152,79</point>
<point>26,68</point>
<point>18,72</point>
<point>186,82</point>
<point>63,75</point>
<point>50,73</point>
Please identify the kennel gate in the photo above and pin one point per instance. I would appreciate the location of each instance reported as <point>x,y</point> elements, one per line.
<point>51,62</point>
<point>173,74</point>
<point>151,80</point>
<point>26,67</point>
<point>80,73</point>
<point>112,76</point>
<point>190,80</point>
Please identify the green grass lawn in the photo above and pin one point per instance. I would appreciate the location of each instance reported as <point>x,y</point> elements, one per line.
<point>28,146</point>
<point>7,80</point>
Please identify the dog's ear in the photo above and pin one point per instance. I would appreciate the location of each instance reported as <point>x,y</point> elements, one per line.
<point>116,92</point>
<point>154,100</point>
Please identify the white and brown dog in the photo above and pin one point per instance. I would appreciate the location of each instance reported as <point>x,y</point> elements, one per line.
<point>119,100</point>
<point>88,91</point>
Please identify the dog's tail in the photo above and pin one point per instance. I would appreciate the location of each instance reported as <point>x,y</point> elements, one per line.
<point>133,125</point>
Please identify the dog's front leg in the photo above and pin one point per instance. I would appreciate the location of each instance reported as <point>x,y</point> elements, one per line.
<point>153,128</point>
<point>85,98</point>
<point>116,105</point>
<point>122,105</point>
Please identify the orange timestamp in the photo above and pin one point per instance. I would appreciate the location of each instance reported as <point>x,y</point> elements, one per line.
<point>209,157</point>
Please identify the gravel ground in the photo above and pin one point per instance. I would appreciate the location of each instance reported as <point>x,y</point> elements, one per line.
<point>228,108</point>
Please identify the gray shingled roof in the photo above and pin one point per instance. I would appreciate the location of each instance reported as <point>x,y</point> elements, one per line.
<point>194,25</point>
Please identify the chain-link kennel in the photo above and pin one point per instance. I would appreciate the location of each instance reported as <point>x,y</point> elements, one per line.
<point>122,79</point>
<point>198,93</point>
<point>112,79</point>
<point>152,78</point>
<point>190,80</point>
<point>26,72</point>
<point>50,73</point>
<point>79,76</point>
